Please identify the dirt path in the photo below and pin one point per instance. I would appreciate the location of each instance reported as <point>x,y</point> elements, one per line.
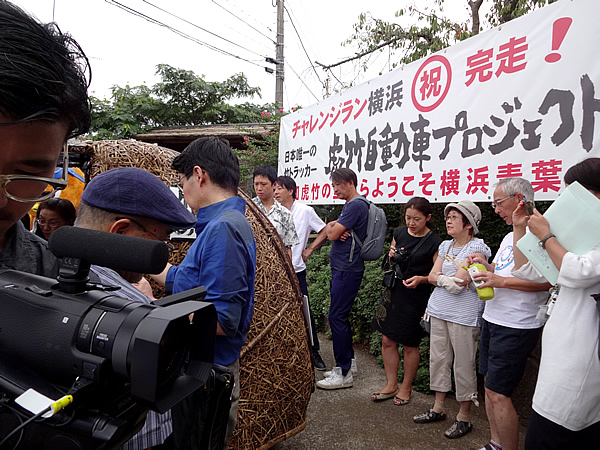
<point>348,419</point>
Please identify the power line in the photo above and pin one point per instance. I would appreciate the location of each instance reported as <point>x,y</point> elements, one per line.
<point>242,20</point>
<point>178,32</point>
<point>301,80</point>
<point>200,28</point>
<point>302,43</point>
<point>293,10</point>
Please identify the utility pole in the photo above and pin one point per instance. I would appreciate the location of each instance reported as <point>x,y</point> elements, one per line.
<point>279,57</point>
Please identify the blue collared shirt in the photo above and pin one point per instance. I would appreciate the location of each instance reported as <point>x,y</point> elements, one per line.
<point>223,260</point>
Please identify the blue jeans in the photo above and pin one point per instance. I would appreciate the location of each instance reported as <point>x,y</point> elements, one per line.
<point>343,289</point>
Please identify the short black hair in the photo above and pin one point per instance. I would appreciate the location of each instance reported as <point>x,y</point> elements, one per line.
<point>586,173</point>
<point>43,73</point>
<point>344,176</point>
<point>265,171</point>
<point>288,183</point>
<point>215,156</point>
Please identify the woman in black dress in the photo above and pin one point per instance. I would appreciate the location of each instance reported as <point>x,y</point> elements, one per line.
<point>398,316</point>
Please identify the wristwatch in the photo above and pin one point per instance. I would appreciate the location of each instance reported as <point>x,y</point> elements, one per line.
<point>542,242</point>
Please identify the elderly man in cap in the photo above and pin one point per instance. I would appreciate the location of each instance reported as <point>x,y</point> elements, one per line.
<point>133,202</point>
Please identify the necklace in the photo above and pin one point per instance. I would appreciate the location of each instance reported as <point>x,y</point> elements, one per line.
<point>457,247</point>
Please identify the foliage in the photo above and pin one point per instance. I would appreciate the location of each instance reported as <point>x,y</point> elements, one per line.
<point>432,31</point>
<point>180,98</point>
<point>503,11</point>
<point>262,148</point>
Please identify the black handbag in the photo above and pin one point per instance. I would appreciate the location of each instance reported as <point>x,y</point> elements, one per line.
<point>389,275</point>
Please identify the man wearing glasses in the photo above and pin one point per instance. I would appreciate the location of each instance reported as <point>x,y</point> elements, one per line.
<point>133,202</point>
<point>43,102</point>
<point>511,327</point>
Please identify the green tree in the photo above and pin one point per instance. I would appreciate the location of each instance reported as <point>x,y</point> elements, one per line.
<point>180,98</point>
<point>262,147</point>
<point>431,32</point>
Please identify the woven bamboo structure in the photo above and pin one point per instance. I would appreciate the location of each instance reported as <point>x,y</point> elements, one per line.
<point>276,373</point>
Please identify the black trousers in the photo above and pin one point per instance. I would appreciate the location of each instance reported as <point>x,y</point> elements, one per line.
<point>543,434</point>
<point>304,288</point>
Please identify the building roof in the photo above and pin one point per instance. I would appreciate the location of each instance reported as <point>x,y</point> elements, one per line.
<point>177,138</point>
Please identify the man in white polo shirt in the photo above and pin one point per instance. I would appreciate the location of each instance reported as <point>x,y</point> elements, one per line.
<point>510,328</point>
<point>306,221</point>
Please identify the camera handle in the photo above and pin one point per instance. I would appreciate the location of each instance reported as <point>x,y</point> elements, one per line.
<point>73,275</point>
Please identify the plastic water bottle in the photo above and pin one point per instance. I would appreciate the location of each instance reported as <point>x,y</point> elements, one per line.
<point>486,293</point>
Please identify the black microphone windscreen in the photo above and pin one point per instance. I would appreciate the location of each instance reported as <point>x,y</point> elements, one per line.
<point>116,251</point>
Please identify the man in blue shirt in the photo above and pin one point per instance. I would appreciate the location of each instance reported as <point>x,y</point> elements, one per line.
<point>222,259</point>
<point>347,269</point>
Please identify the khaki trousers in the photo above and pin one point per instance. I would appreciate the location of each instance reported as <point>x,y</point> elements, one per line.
<point>453,346</point>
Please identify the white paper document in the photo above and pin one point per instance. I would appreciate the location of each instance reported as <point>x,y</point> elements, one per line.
<point>574,219</point>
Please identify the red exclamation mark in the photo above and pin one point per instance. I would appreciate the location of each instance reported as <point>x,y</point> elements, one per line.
<point>559,31</point>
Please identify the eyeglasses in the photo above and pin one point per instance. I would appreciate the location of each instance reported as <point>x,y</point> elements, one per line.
<point>183,176</point>
<point>29,188</point>
<point>498,202</point>
<point>452,217</point>
<point>51,223</point>
<point>146,230</point>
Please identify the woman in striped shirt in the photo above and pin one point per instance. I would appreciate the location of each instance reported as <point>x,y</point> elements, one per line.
<point>455,315</point>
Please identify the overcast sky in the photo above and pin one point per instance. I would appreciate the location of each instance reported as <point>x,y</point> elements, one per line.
<point>124,48</point>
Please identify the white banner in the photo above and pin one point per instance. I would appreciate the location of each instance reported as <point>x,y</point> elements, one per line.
<point>517,100</point>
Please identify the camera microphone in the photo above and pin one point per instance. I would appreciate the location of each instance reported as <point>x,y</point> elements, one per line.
<point>117,251</point>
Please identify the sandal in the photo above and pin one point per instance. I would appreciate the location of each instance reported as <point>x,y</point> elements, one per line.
<point>378,396</point>
<point>401,401</point>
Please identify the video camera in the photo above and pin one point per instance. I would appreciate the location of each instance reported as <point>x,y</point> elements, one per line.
<point>118,358</point>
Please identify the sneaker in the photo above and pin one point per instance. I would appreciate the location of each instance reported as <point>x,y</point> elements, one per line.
<point>458,429</point>
<point>336,380</point>
<point>318,361</point>
<point>429,416</point>
<point>353,369</point>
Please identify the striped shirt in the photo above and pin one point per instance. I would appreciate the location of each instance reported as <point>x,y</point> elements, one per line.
<point>464,308</point>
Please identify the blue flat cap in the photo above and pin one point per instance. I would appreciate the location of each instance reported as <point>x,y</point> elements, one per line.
<point>129,190</point>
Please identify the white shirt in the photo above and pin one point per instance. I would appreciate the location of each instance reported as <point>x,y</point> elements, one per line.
<point>568,385</point>
<point>511,308</point>
<point>306,221</point>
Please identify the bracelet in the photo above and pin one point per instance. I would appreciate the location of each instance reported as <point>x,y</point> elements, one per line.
<point>542,242</point>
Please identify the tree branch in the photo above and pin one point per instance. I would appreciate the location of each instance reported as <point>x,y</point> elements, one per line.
<point>360,55</point>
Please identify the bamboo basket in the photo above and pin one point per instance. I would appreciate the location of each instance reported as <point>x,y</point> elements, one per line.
<point>276,375</point>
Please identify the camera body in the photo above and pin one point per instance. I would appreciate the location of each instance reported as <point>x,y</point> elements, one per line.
<point>400,257</point>
<point>118,358</point>
<point>399,261</point>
